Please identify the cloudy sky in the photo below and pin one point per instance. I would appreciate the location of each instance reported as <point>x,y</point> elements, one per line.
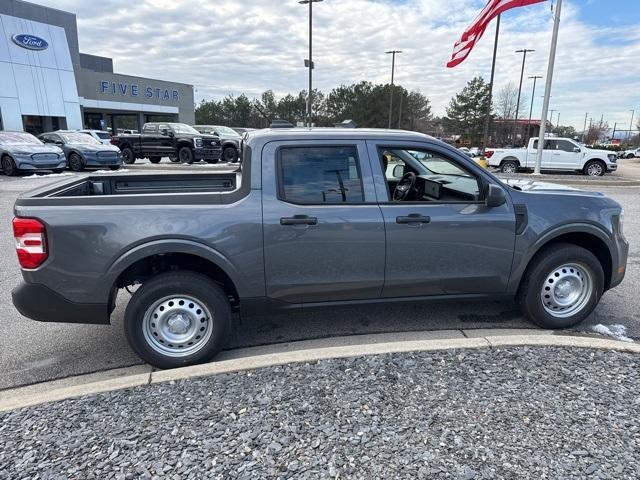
<point>248,46</point>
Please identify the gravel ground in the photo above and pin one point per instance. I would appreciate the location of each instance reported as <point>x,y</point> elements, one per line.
<point>466,414</point>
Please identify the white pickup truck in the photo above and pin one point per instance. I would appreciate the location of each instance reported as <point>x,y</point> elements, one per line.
<point>559,154</point>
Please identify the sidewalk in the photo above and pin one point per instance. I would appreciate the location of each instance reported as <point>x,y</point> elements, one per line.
<point>501,412</point>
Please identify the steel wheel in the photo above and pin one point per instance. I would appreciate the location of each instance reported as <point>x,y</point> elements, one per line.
<point>230,154</point>
<point>509,167</point>
<point>8,166</point>
<point>75,162</point>
<point>567,290</point>
<point>177,325</point>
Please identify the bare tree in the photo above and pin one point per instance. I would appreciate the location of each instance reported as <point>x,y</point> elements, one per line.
<point>505,106</point>
<point>597,132</point>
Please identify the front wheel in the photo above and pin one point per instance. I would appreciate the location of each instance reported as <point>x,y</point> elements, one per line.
<point>595,168</point>
<point>561,287</point>
<point>155,159</point>
<point>230,154</point>
<point>177,319</point>
<point>76,163</point>
<point>185,154</point>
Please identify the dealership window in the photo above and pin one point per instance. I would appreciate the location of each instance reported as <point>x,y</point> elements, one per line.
<point>319,175</point>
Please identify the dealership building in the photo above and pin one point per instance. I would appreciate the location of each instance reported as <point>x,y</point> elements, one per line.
<point>46,83</point>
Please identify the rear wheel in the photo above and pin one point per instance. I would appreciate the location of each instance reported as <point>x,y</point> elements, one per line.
<point>185,154</point>
<point>561,287</point>
<point>178,319</point>
<point>9,166</point>
<point>595,168</point>
<point>155,159</point>
<point>128,156</point>
<point>509,166</point>
<point>76,163</point>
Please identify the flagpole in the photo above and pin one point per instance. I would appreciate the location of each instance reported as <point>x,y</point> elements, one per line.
<point>487,119</point>
<point>547,88</point>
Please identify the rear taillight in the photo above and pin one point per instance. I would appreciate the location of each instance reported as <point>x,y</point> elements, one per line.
<point>489,153</point>
<point>114,140</point>
<point>31,242</point>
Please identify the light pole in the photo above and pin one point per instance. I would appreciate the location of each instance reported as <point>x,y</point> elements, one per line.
<point>633,113</point>
<point>310,94</point>
<point>584,129</point>
<point>558,122</point>
<point>393,70</point>
<point>524,59</point>
<point>533,95</point>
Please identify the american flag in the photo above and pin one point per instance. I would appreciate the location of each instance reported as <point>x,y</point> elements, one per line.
<point>473,33</point>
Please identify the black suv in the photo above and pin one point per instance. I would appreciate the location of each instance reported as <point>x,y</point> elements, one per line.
<point>179,142</point>
<point>230,140</point>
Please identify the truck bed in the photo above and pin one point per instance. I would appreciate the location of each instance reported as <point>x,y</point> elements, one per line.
<point>138,188</point>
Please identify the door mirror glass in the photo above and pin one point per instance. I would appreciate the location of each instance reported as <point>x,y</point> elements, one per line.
<point>398,171</point>
<point>576,149</point>
<point>495,196</point>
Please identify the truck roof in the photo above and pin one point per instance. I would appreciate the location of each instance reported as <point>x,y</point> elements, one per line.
<point>268,134</point>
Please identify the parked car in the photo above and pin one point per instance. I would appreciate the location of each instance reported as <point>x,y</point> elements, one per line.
<point>316,219</point>
<point>230,140</point>
<point>20,151</point>
<point>100,135</point>
<point>243,130</point>
<point>179,142</point>
<point>465,150</point>
<point>631,153</point>
<point>562,154</point>
<point>84,151</point>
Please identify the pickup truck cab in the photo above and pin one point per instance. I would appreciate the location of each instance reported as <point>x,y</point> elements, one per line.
<point>316,218</point>
<point>179,142</point>
<point>560,154</point>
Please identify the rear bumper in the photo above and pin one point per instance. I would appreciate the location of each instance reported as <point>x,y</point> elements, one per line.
<point>40,303</point>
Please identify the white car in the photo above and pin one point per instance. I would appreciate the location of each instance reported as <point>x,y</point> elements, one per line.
<point>100,135</point>
<point>561,154</point>
<point>633,153</point>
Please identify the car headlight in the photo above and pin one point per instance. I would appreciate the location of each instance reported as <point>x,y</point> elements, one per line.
<point>612,157</point>
<point>197,142</point>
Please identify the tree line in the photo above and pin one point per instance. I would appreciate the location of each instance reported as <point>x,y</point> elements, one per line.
<point>365,103</point>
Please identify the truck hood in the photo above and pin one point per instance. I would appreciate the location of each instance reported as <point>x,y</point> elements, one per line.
<point>536,186</point>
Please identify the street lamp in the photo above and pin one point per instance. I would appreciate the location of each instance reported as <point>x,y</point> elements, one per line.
<point>633,113</point>
<point>393,69</point>
<point>310,61</point>
<point>533,95</point>
<point>524,59</point>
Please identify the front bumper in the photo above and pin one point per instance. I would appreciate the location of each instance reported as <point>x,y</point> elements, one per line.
<point>207,153</point>
<point>40,303</point>
<point>612,167</point>
<point>28,163</point>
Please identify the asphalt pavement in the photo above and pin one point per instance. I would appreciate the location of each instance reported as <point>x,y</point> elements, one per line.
<point>525,413</point>
<point>31,352</point>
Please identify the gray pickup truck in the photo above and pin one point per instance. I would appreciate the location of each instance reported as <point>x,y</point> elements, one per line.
<point>316,218</point>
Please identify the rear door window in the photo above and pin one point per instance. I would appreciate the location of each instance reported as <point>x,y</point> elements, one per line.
<point>319,175</point>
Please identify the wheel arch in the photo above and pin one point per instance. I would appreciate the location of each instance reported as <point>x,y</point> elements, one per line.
<point>147,260</point>
<point>588,237</point>
<point>510,158</point>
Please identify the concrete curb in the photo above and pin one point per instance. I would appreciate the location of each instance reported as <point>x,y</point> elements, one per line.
<point>301,352</point>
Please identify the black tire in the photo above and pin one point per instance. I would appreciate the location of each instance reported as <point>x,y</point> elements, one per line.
<point>185,155</point>
<point>114,167</point>
<point>230,154</point>
<point>594,168</point>
<point>76,163</point>
<point>539,278</point>
<point>509,166</point>
<point>128,156</point>
<point>155,159</point>
<point>9,166</point>
<point>180,283</point>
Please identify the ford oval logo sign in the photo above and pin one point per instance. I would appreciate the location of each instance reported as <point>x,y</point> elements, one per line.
<point>30,42</point>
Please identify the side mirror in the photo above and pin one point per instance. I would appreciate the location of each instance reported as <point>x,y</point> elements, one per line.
<point>495,196</point>
<point>398,171</point>
<point>58,142</point>
<point>576,150</point>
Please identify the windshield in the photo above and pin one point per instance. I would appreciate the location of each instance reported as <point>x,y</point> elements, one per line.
<point>79,138</point>
<point>182,128</point>
<point>227,131</point>
<point>103,135</point>
<point>18,138</point>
